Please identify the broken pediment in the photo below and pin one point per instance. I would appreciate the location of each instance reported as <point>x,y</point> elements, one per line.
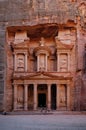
<point>22,45</point>
<point>20,36</point>
<point>40,76</point>
<point>60,45</point>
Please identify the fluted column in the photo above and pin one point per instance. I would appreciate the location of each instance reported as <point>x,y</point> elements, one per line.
<point>49,96</point>
<point>35,96</point>
<point>26,97</point>
<point>15,97</point>
<point>57,96</point>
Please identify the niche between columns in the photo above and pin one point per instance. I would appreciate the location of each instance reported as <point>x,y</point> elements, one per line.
<point>20,97</point>
<point>30,97</point>
<point>63,96</point>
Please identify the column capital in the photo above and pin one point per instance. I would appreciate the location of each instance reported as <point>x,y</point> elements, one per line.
<point>49,85</point>
<point>25,53</point>
<point>25,85</point>
<point>14,53</point>
<point>15,85</point>
<point>35,84</point>
<point>58,84</point>
<point>58,53</point>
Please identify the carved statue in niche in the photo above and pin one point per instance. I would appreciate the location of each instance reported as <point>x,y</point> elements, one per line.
<point>42,63</point>
<point>42,56</point>
<point>20,62</point>
<point>63,62</point>
<point>20,96</point>
<point>63,95</point>
<point>82,9</point>
<point>42,41</point>
<point>82,12</point>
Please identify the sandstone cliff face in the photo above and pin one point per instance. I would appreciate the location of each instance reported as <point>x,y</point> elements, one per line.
<point>33,12</point>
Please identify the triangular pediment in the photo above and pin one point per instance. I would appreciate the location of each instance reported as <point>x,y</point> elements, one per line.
<point>40,76</point>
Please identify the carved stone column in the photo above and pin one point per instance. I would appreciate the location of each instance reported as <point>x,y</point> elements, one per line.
<point>68,96</point>
<point>58,62</point>
<point>69,61</point>
<point>37,62</point>
<point>57,96</point>
<point>15,97</point>
<point>46,62</point>
<point>25,62</point>
<point>15,62</point>
<point>26,97</point>
<point>49,96</point>
<point>35,96</point>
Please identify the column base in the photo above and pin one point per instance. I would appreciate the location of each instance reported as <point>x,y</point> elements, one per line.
<point>61,109</point>
<point>49,107</point>
<point>25,109</point>
<point>15,109</point>
<point>34,109</point>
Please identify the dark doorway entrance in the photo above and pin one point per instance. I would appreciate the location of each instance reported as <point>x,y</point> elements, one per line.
<point>42,100</point>
<point>53,97</point>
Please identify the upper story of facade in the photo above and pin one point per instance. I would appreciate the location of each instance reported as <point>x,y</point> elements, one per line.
<point>40,50</point>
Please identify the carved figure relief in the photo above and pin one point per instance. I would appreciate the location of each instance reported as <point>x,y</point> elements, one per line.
<point>82,9</point>
<point>20,62</point>
<point>63,62</point>
<point>63,95</point>
<point>82,12</point>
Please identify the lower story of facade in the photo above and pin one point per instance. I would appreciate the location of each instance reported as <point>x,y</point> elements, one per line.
<point>41,93</point>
